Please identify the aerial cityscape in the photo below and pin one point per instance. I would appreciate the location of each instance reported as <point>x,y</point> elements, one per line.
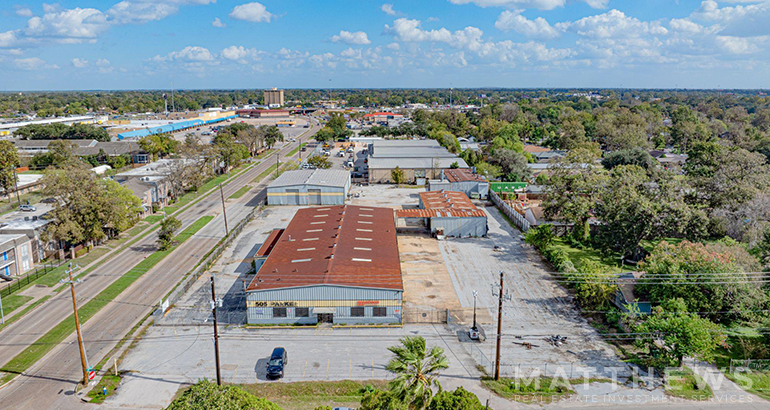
<point>434,205</point>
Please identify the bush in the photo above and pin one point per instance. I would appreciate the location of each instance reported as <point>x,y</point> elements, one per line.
<point>460,399</point>
<point>559,258</point>
<point>541,237</point>
<point>206,395</point>
<point>81,252</point>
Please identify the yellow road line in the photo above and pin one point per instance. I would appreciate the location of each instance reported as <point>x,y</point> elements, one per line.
<point>350,374</point>
<point>328,361</point>
<point>372,369</point>
<point>304,369</point>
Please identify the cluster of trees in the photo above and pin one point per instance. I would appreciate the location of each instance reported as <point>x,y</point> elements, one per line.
<point>9,159</point>
<point>335,128</point>
<point>62,131</point>
<point>87,208</point>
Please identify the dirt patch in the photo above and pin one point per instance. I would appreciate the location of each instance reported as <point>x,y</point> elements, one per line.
<point>426,281</point>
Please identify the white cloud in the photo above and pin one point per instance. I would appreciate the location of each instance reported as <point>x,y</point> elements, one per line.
<point>239,53</point>
<point>253,12</point>
<point>68,26</point>
<point>388,9</point>
<point>347,37</point>
<point>218,23</point>
<point>9,39</point>
<point>737,45</point>
<point>143,11</point>
<point>530,4</point>
<point>431,19</point>
<point>612,24</point>
<point>189,53</point>
<point>537,28</point>
<point>33,64</point>
<point>393,46</point>
<point>24,12</point>
<point>740,21</point>
<point>79,62</point>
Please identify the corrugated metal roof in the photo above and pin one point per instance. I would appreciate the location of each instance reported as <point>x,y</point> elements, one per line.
<point>270,242</point>
<point>412,152</point>
<point>446,200</point>
<point>342,245</point>
<point>405,143</point>
<point>461,175</point>
<point>439,213</point>
<point>322,177</point>
<point>414,163</point>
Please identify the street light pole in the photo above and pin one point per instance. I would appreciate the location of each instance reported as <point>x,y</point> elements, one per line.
<point>16,185</point>
<point>214,304</point>
<point>83,358</point>
<point>2,315</point>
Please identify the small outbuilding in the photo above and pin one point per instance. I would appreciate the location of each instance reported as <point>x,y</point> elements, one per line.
<point>310,187</point>
<point>461,180</point>
<point>449,213</point>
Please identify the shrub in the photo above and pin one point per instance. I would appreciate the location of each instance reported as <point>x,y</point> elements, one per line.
<point>541,237</point>
<point>207,395</point>
<point>460,399</point>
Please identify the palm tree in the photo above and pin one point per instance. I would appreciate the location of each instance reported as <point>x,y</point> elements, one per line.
<point>416,371</point>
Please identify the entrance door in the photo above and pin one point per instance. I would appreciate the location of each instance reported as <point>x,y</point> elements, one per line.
<point>326,318</point>
<point>314,197</point>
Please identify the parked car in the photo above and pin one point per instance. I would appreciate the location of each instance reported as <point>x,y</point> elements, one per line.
<point>27,208</point>
<point>278,361</point>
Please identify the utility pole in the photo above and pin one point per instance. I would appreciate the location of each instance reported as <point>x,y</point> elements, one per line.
<point>224,209</point>
<point>214,304</point>
<point>277,162</point>
<point>499,328</point>
<point>2,315</point>
<point>300,150</point>
<point>83,358</point>
<point>173,106</point>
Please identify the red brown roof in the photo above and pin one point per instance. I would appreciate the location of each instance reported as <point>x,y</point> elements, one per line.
<point>461,174</point>
<point>342,245</point>
<point>437,213</point>
<point>270,242</point>
<point>446,200</point>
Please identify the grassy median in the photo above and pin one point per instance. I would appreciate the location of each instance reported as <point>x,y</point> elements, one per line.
<point>45,343</point>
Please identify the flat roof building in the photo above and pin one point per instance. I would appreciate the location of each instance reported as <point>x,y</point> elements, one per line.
<point>418,159</point>
<point>309,187</point>
<point>273,97</point>
<point>336,264</point>
<point>461,180</point>
<point>449,213</point>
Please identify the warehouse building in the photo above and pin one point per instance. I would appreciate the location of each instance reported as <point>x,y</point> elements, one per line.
<point>448,213</point>
<point>418,159</point>
<point>337,264</point>
<point>310,187</point>
<point>461,180</point>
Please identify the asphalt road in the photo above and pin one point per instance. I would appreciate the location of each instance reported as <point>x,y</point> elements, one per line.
<point>51,381</point>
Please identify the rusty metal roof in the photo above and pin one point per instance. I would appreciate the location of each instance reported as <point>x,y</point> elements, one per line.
<point>270,242</point>
<point>439,213</point>
<point>461,175</point>
<point>446,200</point>
<point>341,245</point>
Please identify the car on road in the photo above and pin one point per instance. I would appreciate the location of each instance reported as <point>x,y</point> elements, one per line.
<point>27,208</point>
<point>278,360</point>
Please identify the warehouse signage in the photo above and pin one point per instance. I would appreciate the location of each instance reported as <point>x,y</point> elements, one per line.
<point>368,303</point>
<point>321,303</point>
<point>260,303</point>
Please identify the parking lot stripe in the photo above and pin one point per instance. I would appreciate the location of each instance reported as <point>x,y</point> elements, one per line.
<point>304,369</point>
<point>373,366</point>
<point>328,362</point>
<point>350,374</point>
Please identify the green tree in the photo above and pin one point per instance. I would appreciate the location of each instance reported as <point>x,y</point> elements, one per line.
<point>168,227</point>
<point>206,395</point>
<point>459,399</point>
<point>706,280</point>
<point>490,172</point>
<point>228,151</point>
<point>325,134</point>
<point>633,156</point>
<point>397,175</point>
<point>454,165</point>
<point>123,207</point>
<point>9,159</point>
<point>319,161</point>
<point>375,399</point>
<point>541,236</point>
<point>672,333</point>
<point>573,190</point>
<point>594,285</point>
<point>158,145</point>
<point>416,370</point>
<point>272,135</point>
<point>513,164</point>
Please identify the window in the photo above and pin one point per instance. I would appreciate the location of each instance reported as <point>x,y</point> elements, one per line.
<point>279,312</point>
<point>357,312</point>
<point>302,312</point>
<point>380,311</point>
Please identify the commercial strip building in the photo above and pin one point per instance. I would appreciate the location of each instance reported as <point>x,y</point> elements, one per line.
<point>9,128</point>
<point>30,148</point>
<point>337,264</point>
<point>448,213</point>
<point>254,113</point>
<point>203,119</point>
<point>461,180</point>
<point>309,187</point>
<point>418,159</point>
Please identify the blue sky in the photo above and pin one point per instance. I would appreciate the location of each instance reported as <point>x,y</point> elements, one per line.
<point>147,44</point>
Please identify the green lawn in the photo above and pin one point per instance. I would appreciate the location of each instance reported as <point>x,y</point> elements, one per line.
<point>153,218</point>
<point>538,389</point>
<point>755,382</point>
<point>687,385</point>
<point>576,255</point>
<point>264,174</point>
<point>241,192</point>
<point>309,395</point>
<point>265,154</point>
<point>208,186</point>
<point>13,302</point>
<point>45,343</point>
<point>110,381</point>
